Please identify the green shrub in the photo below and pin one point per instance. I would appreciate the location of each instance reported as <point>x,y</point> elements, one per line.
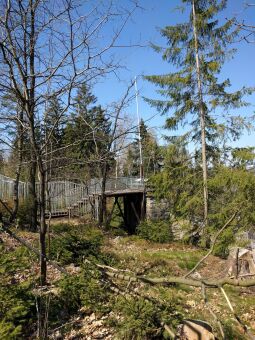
<point>139,319</point>
<point>84,290</point>
<point>17,310</point>
<point>78,243</point>
<point>73,249</point>
<point>17,303</point>
<point>61,228</point>
<point>142,318</point>
<point>156,231</point>
<point>73,246</point>
<point>9,331</point>
<point>24,213</point>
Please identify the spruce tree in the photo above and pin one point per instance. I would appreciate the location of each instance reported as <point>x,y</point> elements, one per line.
<point>198,50</point>
<point>54,122</point>
<point>87,132</point>
<point>53,131</point>
<point>150,151</point>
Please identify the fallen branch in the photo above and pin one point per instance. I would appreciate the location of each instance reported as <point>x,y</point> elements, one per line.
<point>114,273</point>
<point>212,247</point>
<point>211,283</point>
<point>244,327</point>
<point>168,330</point>
<point>30,247</point>
<point>203,291</point>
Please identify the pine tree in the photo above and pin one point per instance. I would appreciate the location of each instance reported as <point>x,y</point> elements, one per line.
<point>198,50</point>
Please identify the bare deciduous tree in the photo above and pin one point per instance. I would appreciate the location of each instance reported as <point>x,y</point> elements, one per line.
<point>47,49</point>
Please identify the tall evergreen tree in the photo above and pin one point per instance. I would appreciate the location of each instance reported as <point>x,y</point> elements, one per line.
<point>198,50</point>
<point>87,133</point>
<point>150,154</point>
<point>53,131</point>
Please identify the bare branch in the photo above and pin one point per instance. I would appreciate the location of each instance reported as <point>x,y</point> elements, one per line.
<point>212,246</point>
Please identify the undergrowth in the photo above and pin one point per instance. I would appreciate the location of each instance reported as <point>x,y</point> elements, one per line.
<point>17,303</point>
<point>90,291</point>
<point>156,231</point>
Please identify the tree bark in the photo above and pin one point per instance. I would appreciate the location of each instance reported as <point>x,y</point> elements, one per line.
<point>32,197</point>
<point>43,228</point>
<point>202,118</point>
<point>102,200</point>
<point>20,135</point>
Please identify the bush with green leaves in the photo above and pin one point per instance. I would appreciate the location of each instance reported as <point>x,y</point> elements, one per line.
<point>139,319</point>
<point>231,190</point>
<point>86,290</point>
<point>156,231</point>
<point>73,248</point>
<point>17,303</point>
<point>17,310</point>
<point>75,245</point>
<point>142,319</point>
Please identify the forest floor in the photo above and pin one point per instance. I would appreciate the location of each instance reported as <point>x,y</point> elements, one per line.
<point>99,312</point>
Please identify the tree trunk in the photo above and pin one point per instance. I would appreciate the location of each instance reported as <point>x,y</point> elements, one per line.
<point>32,197</point>
<point>30,93</point>
<point>102,200</point>
<point>43,228</point>
<point>202,118</point>
<point>20,132</point>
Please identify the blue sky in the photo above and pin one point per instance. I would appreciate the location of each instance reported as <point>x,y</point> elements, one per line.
<point>143,28</point>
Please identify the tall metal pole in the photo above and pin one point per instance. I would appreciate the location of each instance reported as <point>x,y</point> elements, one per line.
<point>139,134</point>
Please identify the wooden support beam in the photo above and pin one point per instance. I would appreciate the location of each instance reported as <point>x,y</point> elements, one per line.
<point>143,206</point>
<point>121,212</point>
<point>136,214</point>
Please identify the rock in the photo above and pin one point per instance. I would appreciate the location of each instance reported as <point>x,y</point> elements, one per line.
<point>196,276</point>
<point>195,330</point>
<point>191,303</point>
<point>92,317</point>
<point>72,269</point>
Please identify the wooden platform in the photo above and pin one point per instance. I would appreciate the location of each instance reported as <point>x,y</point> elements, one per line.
<point>124,192</point>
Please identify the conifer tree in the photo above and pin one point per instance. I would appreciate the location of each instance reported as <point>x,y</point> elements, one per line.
<point>198,50</point>
<point>87,133</point>
<point>53,130</point>
<point>150,154</point>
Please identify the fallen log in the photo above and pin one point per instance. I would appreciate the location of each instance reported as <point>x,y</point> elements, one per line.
<point>216,283</point>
